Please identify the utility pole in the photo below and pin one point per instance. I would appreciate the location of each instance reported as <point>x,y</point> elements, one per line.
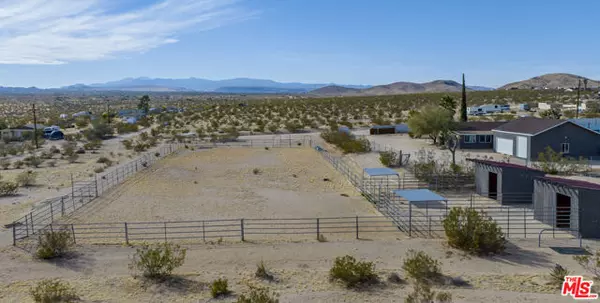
<point>35,140</point>
<point>578,96</point>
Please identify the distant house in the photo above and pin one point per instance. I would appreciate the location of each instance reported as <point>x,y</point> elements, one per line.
<point>389,129</point>
<point>476,134</point>
<point>487,109</point>
<point>524,107</point>
<point>131,113</point>
<point>526,137</point>
<point>21,132</point>
<point>544,106</point>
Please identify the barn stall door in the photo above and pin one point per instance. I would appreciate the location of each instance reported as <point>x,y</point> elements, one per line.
<point>504,146</point>
<point>521,147</point>
<point>563,211</point>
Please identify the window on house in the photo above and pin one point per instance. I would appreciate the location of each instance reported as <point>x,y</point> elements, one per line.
<point>470,139</point>
<point>564,148</point>
<point>484,138</point>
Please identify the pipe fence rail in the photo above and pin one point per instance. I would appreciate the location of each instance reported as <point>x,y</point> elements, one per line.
<point>82,193</point>
<point>211,230</point>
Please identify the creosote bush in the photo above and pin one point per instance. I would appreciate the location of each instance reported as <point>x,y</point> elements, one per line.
<point>8,188</point>
<point>157,261</point>
<point>346,142</point>
<point>421,267</point>
<point>353,273</point>
<point>388,158</point>
<point>26,178</point>
<point>54,244</point>
<point>53,291</point>
<point>262,272</point>
<point>219,288</point>
<point>473,232</point>
<point>104,160</point>
<point>261,295</point>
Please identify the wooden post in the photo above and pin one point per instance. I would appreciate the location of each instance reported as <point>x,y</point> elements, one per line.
<point>96,184</point>
<point>73,232</point>
<point>32,225</point>
<point>14,234</point>
<point>242,229</point>
<point>126,234</point>
<point>27,225</point>
<point>62,206</point>
<point>356,227</point>
<point>318,229</point>
<point>51,213</point>
<point>203,232</point>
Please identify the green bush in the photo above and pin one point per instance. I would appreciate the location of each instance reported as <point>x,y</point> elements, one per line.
<point>53,291</point>
<point>388,159</point>
<point>26,178</point>
<point>353,273</point>
<point>258,296</point>
<point>18,164</point>
<point>140,147</point>
<point>422,293</point>
<point>5,163</point>
<point>473,232</point>
<point>54,244</point>
<point>99,170</point>
<point>557,275</point>
<point>125,128</point>
<point>72,158</point>
<point>421,267</point>
<point>157,261</point>
<point>127,144</point>
<point>8,188</point>
<point>33,161</point>
<point>219,288</point>
<point>346,142</point>
<point>104,160</point>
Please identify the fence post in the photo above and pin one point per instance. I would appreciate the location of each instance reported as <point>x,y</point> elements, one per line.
<point>242,229</point>
<point>508,223</point>
<point>51,213</point>
<point>27,225</point>
<point>126,234</point>
<point>409,219</point>
<point>318,229</point>
<point>471,200</point>
<point>62,206</point>
<point>32,225</point>
<point>165,224</point>
<point>14,234</point>
<point>429,219</point>
<point>525,222</point>
<point>356,227</point>
<point>73,232</point>
<point>203,232</point>
<point>73,200</point>
<point>96,184</point>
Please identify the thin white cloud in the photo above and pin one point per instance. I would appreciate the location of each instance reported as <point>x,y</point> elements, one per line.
<point>62,31</point>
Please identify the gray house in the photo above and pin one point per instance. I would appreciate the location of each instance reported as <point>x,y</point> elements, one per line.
<point>476,134</point>
<point>569,204</point>
<point>507,183</point>
<point>526,137</point>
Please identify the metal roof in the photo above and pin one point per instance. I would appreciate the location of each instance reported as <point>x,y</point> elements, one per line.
<point>380,171</point>
<point>478,126</point>
<point>529,125</point>
<point>571,182</point>
<point>418,195</point>
<point>502,164</point>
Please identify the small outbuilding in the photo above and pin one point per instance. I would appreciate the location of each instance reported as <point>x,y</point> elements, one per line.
<point>568,204</point>
<point>389,129</point>
<point>507,183</point>
<point>476,134</point>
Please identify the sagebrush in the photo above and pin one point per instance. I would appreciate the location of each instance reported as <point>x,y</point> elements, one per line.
<point>158,260</point>
<point>53,291</point>
<point>54,244</point>
<point>258,295</point>
<point>473,232</point>
<point>219,288</point>
<point>421,267</point>
<point>353,273</point>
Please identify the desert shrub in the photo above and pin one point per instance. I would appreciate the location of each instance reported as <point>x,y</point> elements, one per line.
<point>473,232</point>
<point>125,128</point>
<point>256,171</point>
<point>26,178</point>
<point>53,291</point>
<point>443,297</point>
<point>18,164</point>
<point>72,158</point>
<point>33,161</point>
<point>157,154</point>
<point>144,136</point>
<point>353,273</point>
<point>68,148</point>
<point>99,131</point>
<point>54,244</point>
<point>157,261</point>
<point>127,144</point>
<point>346,142</point>
<point>258,296</point>
<point>552,162</point>
<point>104,160</point>
<point>140,147</point>
<point>394,278</point>
<point>51,163</point>
<point>54,150</point>
<point>152,141</point>
<point>262,272</point>
<point>99,170</point>
<point>8,188</point>
<point>388,158</point>
<point>46,154</point>
<point>557,275</point>
<point>219,288</point>
<point>421,267</point>
<point>591,263</point>
<point>321,238</point>
<point>93,145</point>
<point>5,163</point>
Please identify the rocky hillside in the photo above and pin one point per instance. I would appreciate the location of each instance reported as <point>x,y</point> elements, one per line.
<point>552,81</point>
<point>396,88</point>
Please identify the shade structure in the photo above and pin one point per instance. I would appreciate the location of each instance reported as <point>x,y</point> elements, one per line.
<point>418,195</point>
<point>380,171</point>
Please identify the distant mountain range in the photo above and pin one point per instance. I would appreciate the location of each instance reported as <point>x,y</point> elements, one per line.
<point>552,81</point>
<point>396,88</point>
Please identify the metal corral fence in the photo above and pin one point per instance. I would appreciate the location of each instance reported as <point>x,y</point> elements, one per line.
<point>82,193</point>
<point>211,230</point>
<point>425,219</point>
<point>276,142</point>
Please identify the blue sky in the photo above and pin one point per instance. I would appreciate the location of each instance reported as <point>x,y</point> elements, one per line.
<point>51,43</point>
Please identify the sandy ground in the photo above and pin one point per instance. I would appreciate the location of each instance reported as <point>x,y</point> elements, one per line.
<point>100,273</point>
<point>220,184</point>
